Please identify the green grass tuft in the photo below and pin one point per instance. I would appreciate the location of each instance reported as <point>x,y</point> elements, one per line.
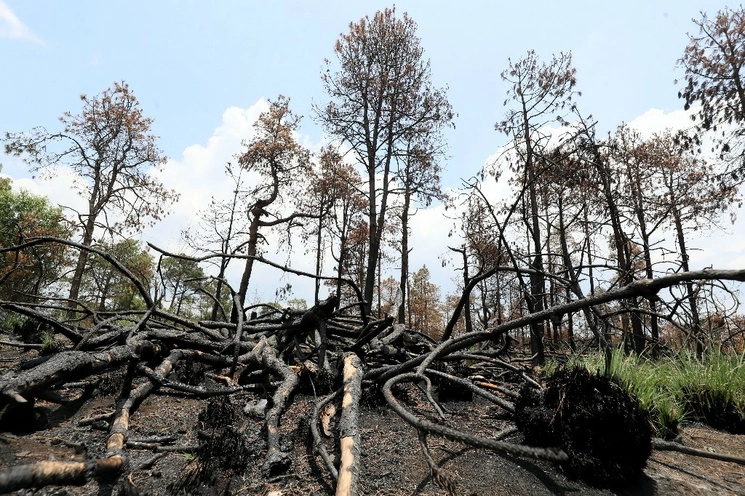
<point>682,388</point>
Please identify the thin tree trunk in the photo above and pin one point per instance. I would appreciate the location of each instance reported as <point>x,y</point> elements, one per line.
<point>626,275</point>
<point>377,218</point>
<point>77,277</point>
<point>318,261</point>
<point>574,285</point>
<point>535,299</point>
<point>639,341</point>
<point>253,240</point>
<point>374,240</point>
<point>225,245</point>
<point>404,256</point>
<point>340,263</point>
<point>218,291</point>
<point>537,280</point>
<point>467,304</point>
<point>570,325</point>
<point>696,330</point>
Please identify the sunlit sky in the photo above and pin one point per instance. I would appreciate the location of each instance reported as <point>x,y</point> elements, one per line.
<point>203,71</point>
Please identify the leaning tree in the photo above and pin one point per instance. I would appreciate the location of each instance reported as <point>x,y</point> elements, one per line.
<point>279,164</point>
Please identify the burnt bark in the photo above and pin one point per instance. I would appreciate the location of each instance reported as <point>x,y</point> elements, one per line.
<point>57,473</point>
<point>160,351</point>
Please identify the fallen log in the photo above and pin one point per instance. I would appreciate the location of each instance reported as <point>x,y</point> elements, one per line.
<point>277,461</point>
<point>370,332</point>
<point>59,327</point>
<point>349,433</point>
<point>317,441</point>
<point>20,345</point>
<point>68,366</point>
<point>662,445</point>
<point>55,473</point>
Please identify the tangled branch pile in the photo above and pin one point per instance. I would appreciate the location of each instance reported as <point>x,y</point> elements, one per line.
<point>269,357</point>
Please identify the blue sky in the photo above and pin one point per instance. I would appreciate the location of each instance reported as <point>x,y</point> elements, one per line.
<point>187,61</point>
<point>199,69</point>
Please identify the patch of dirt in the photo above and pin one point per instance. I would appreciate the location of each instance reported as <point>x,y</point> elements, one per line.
<point>673,471</point>
<point>392,459</point>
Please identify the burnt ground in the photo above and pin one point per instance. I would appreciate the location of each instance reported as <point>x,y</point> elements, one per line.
<point>392,459</point>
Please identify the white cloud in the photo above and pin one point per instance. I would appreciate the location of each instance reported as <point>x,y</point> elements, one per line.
<point>720,247</point>
<point>655,120</point>
<point>12,27</point>
<point>58,188</point>
<point>24,184</point>
<point>198,176</point>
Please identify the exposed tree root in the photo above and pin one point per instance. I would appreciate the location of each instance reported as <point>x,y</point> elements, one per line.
<point>604,431</point>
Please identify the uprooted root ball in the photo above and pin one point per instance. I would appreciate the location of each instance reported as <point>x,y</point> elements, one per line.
<point>600,426</point>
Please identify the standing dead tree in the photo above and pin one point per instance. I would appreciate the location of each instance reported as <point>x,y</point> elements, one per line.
<point>291,354</point>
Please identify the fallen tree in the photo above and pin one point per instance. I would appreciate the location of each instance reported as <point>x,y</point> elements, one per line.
<point>341,359</point>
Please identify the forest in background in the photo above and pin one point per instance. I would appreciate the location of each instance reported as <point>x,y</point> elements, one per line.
<point>585,213</point>
<point>589,251</point>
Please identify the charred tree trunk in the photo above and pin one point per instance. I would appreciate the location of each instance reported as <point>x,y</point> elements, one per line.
<point>403,283</point>
<point>696,329</point>
<point>77,277</point>
<point>253,241</point>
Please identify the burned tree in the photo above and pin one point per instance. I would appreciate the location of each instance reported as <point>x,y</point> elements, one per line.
<point>381,100</point>
<point>111,151</point>
<point>279,163</point>
<point>540,92</point>
<point>713,62</point>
